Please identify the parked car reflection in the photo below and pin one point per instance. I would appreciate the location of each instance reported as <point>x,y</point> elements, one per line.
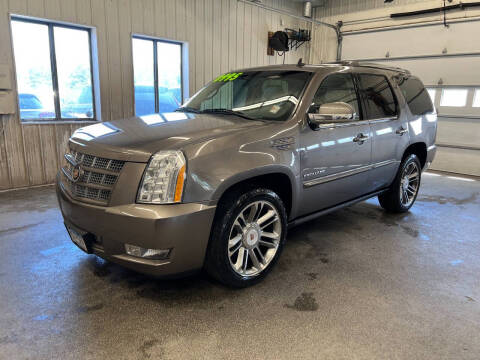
<point>31,108</point>
<point>81,108</point>
<point>168,99</point>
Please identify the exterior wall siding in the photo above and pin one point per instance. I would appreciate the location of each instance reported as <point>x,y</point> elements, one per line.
<point>222,35</point>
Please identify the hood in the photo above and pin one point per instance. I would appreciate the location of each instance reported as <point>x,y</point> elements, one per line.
<point>136,139</point>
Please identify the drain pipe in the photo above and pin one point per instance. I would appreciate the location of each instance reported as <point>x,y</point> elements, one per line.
<point>338,30</point>
<point>284,12</point>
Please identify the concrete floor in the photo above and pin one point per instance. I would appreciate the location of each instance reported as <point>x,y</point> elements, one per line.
<point>356,284</point>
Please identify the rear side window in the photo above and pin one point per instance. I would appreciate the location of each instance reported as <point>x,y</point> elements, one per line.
<point>416,96</point>
<point>378,96</point>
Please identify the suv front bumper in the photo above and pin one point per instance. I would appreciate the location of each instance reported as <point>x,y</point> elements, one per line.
<point>184,228</point>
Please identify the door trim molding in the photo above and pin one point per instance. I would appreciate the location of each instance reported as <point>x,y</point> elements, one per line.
<point>357,123</point>
<point>343,174</point>
<point>383,120</point>
<point>345,124</point>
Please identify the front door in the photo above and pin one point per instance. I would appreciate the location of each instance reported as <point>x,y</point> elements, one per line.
<point>335,158</point>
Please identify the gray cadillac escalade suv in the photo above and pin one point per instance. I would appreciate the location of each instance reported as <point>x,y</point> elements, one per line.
<point>216,183</point>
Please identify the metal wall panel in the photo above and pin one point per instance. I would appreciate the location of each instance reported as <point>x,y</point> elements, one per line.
<point>221,34</point>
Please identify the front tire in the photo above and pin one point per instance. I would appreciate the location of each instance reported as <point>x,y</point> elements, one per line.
<point>247,237</point>
<point>404,190</point>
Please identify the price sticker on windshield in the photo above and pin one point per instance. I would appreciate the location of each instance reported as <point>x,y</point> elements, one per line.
<point>227,77</point>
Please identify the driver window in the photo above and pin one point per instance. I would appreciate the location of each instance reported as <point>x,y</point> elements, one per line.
<point>336,88</point>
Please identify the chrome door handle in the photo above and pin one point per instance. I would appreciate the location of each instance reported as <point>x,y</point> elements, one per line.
<point>401,131</point>
<point>360,138</point>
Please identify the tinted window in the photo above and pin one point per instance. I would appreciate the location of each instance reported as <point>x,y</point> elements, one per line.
<point>416,96</point>
<point>337,88</point>
<point>378,95</point>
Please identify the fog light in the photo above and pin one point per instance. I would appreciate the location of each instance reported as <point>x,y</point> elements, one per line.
<point>153,254</point>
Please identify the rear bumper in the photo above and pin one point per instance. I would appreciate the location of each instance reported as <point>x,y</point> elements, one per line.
<point>431,151</point>
<point>184,228</point>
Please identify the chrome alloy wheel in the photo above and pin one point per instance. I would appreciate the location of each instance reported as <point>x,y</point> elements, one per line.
<point>409,184</point>
<point>254,238</point>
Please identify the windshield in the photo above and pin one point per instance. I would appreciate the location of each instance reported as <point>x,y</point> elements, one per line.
<point>265,95</point>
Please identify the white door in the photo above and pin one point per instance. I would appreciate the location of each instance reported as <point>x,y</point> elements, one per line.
<point>447,59</point>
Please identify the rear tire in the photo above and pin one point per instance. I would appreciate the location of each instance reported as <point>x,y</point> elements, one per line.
<point>247,238</point>
<point>404,190</point>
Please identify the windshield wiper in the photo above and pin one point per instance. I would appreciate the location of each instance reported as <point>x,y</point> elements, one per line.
<point>188,109</point>
<point>226,112</point>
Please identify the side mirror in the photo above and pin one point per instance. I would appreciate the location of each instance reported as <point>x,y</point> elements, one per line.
<point>332,113</point>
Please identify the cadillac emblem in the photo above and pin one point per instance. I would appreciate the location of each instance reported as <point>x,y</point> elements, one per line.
<point>76,173</point>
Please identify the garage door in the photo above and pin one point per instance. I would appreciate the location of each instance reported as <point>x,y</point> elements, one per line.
<point>447,59</point>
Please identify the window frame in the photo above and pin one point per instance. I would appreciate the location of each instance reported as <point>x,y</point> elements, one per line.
<point>155,41</point>
<point>364,100</point>
<point>53,66</point>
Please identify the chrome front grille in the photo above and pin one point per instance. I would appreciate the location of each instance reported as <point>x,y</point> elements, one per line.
<point>98,162</point>
<point>91,177</point>
<point>86,192</point>
<point>95,178</point>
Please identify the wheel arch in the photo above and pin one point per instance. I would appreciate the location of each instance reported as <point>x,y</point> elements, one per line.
<point>275,178</point>
<point>419,149</point>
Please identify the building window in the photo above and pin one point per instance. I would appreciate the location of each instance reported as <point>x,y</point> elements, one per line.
<point>454,97</point>
<point>157,67</point>
<point>54,71</point>
<point>476,98</point>
<point>432,92</point>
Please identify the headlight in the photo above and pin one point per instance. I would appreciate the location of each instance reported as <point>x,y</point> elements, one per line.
<point>163,179</point>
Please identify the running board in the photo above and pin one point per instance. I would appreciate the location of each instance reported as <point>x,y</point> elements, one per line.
<point>317,214</point>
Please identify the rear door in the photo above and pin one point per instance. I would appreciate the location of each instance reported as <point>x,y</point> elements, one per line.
<point>335,164</point>
<point>388,125</point>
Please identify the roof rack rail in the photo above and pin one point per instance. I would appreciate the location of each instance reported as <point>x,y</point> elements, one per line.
<point>369,65</point>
